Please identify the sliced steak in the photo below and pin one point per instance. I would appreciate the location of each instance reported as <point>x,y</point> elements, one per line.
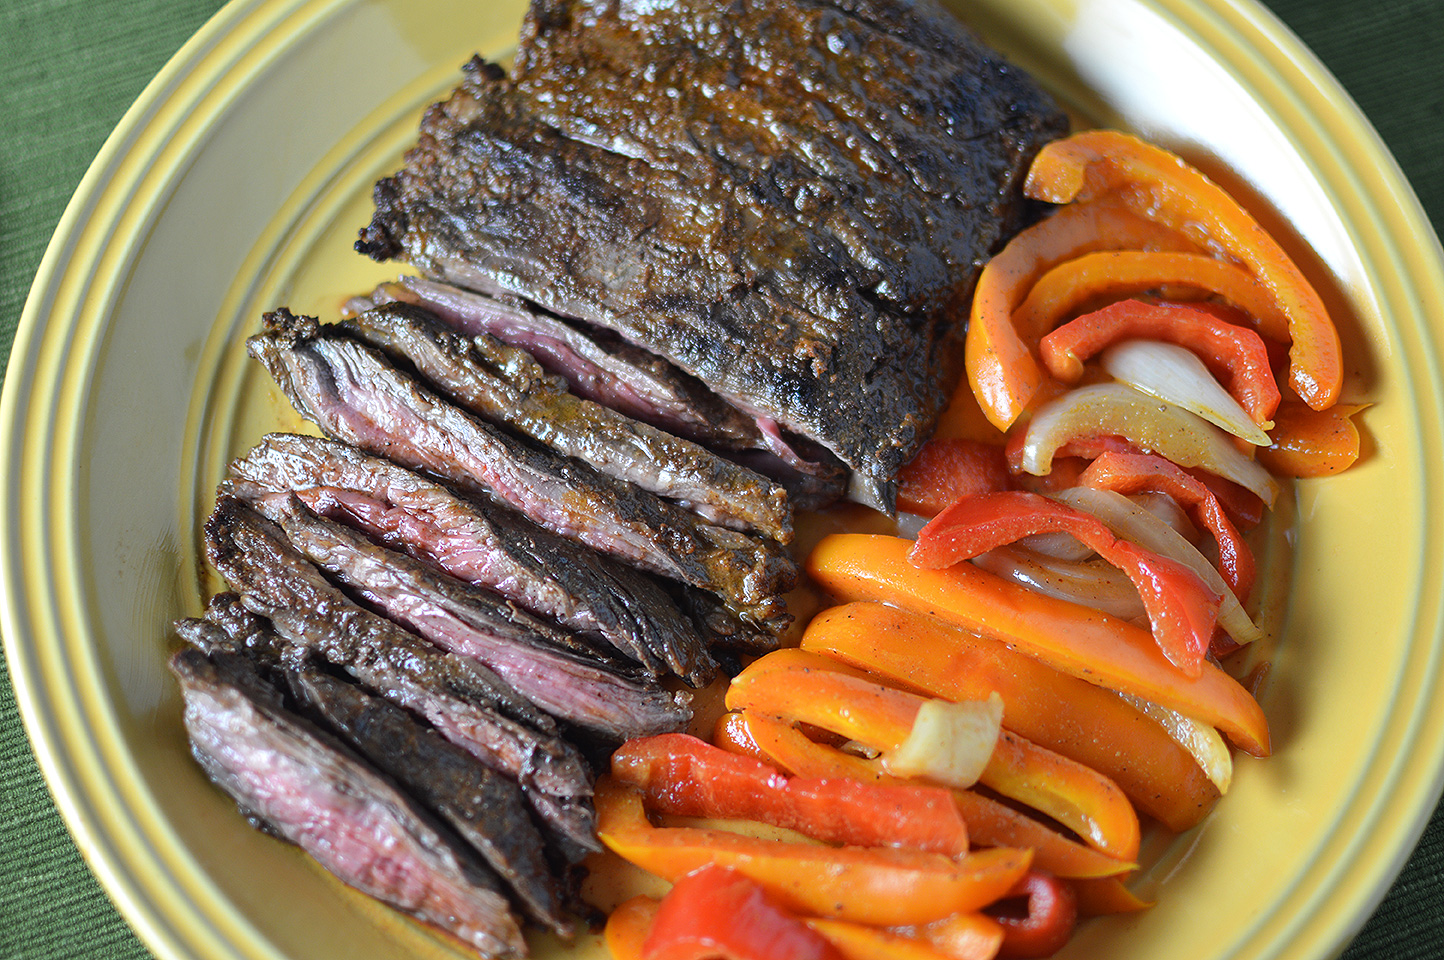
<point>788,200</point>
<point>595,364</point>
<point>310,790</point>
<point>480,543</point>
<point>507,387</point>
<point>470,622</point>
<point>599,366</point>
<point>354,394</point>
<point>464,701</point>
<point>485,809</point>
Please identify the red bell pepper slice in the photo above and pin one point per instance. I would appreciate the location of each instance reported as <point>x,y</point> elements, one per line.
<point>884,886</point>
<point>1133,472</point>
<point>1181,608</point>
<point>990,822</point>
<point>949,468</point>
<point>1244,507</point>
<point>718,912</point>
<point>680,774</point>
<point>1236,352</point>
<point>1052,913</point>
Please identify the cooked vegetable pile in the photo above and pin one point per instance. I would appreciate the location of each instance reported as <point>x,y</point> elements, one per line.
<point>956,760</point>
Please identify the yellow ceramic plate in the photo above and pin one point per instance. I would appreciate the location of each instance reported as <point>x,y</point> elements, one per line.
<point>236,184</point>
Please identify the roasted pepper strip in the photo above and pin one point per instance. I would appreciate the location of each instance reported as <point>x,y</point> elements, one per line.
<point>1147,424</point>
<point>716,912</point>
<point>1225,347</point>
<point>966,936</point>
<point>878,885</point>
<point>683,775</point>
<point>1098,277</point>
<point>1101,896</point>
<point>947,469</point>
<point>1077,796</point>
<point>1181,608</point>
<point>1002,372</point>
<point>858,942</point>
<point>1085,723</point>
<point>1129,473</point>
<point>1074,639</point>
<point>963,936</point>
<point>1159,185</point>
<point>628,926</point>
<point>1048,922</point>
<point>989,822</point>
<point>1312,443</point>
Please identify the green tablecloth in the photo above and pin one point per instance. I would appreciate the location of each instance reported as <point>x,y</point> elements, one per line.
<point>69,69</point>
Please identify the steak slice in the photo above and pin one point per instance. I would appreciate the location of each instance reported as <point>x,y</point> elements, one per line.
<point>480,543</point>
<point>469,622</point>
<point>485,809</point>
<point>614,374</point>
<point>789,201</point>
<point>463,700</point>
<point>310,790</point>
<point>600,366</point>
<point>355,395</point>
<point>506,386</point>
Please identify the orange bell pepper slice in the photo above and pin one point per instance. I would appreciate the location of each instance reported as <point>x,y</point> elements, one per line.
<point>1159,185</point>
<point>682,775</point>
<point>963,936</point>
<point>628,926</point>
<point>885,886</point>
<point>990,822</point>
<point>1312,443</point>
<point>946,469</point>
<point>1074,639</point>
<point>1077,719</point>
<point>1002,373</point>
<point>1079,797</point>
<point>1126,273</point>
<point>858,942</point>
<point>1182,609</point>
<point>1235,351</point>
<point>1101,896</point>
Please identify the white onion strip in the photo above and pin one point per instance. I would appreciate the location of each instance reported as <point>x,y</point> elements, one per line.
<point>1095,584</point>
<point>1175,374</point>
<point>1203,742</point>
<point>1148,423</point>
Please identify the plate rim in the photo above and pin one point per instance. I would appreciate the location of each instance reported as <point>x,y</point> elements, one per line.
<point>1389,198</point>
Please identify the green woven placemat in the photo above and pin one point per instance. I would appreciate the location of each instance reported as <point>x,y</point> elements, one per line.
<point>70,68</point>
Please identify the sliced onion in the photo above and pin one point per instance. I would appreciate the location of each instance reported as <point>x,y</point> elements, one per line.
<point>1131,522</point>
<point>1094,584</point>
<point>1062,546</point>
<point>1165,508</point>
<point>1175,374</point>
<point>1203,742</point>
<point>1147,423</point>
<point>950,743</point>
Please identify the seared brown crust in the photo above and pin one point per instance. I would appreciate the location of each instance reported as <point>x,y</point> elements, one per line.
<point>788,200</point>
